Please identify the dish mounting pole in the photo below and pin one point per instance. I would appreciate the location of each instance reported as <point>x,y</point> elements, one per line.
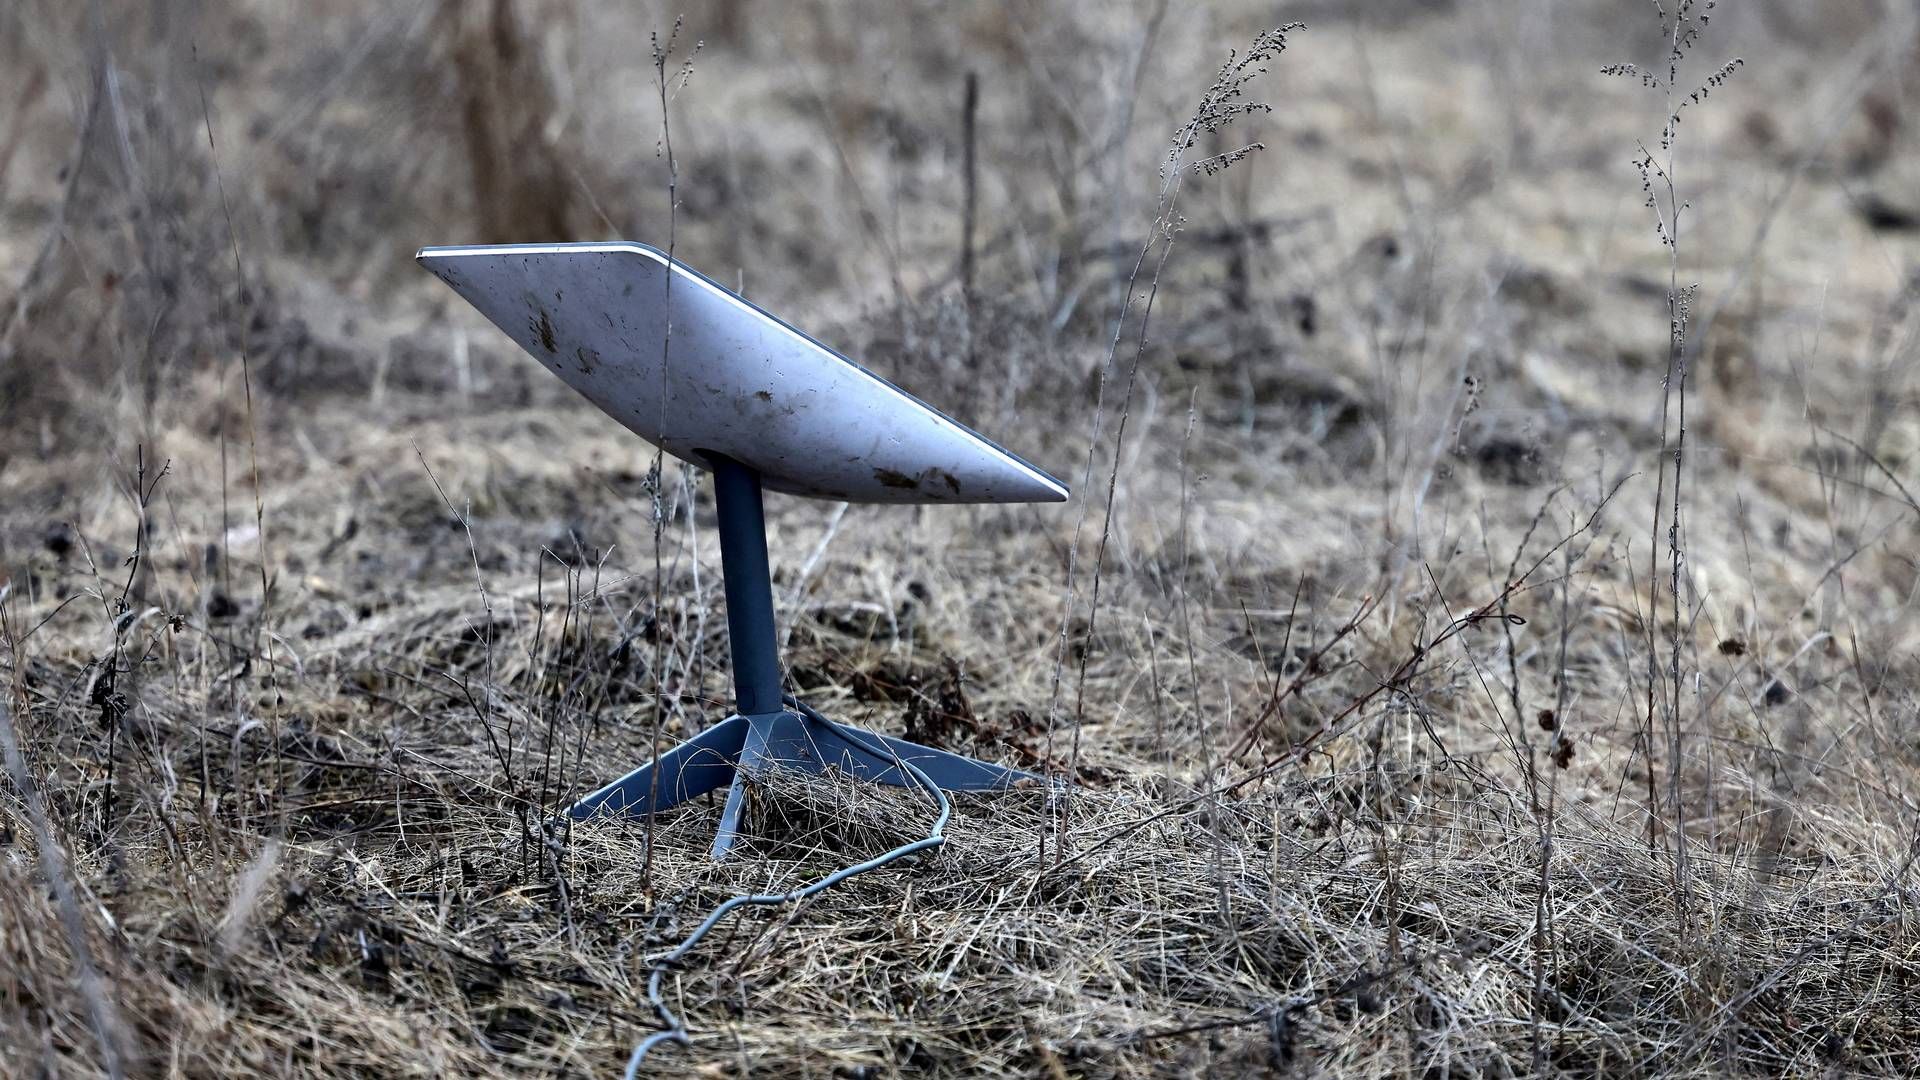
<point>763,733</point>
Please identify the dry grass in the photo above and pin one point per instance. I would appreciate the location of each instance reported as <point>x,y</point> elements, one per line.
<point>1362,724</point>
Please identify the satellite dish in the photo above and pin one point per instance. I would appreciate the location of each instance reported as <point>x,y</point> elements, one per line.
<point>691,367</point>
<point>686,364</point>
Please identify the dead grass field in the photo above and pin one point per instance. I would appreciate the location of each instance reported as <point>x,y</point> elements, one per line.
<point>1410,735</point>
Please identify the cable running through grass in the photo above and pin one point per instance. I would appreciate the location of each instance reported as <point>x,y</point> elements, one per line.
<point>673,1029</point>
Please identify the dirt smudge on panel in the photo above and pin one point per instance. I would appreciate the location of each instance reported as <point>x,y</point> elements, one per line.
<point>543,328</point>
<point>894,479</point>
<point>945,477</point>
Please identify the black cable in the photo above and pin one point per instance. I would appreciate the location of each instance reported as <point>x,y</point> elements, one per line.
<point>673,1030</point>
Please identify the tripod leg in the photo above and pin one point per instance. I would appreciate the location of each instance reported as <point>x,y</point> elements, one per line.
<point>952,772</point>
<point>695,767</point>
<point>754,756</point>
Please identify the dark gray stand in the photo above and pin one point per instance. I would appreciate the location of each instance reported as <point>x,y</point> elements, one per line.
<point>764,733</point>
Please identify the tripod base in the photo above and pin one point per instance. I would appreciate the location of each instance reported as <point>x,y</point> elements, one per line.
<point>742,746</point>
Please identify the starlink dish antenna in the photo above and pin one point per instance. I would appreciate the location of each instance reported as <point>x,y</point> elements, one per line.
<point>691,367</point>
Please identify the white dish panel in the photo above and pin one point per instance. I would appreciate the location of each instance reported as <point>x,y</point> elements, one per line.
<point>730,379</point>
